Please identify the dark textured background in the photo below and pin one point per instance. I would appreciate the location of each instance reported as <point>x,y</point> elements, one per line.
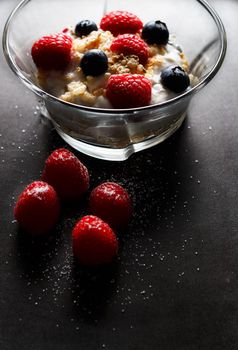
<point>175,283</point>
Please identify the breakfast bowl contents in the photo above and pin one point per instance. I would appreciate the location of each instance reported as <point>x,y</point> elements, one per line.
<point>114,81</point>
<point>120,63</point>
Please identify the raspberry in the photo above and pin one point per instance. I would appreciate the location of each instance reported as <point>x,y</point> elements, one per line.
<point>52,51</point>
<point>130,44</point>
<point>37,208</point>
<point>94,242</point>
<point>64,171</point>
<point>128,90</point>
<point>111,203</point>
<point>121,22</point>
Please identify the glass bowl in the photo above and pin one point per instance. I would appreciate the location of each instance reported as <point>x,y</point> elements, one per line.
<point>109,133</point>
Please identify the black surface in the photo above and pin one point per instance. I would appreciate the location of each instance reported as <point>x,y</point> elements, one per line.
<point>174,285</point>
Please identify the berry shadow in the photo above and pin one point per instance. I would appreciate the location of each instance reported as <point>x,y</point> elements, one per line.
<point>154,178</point>
<point>92,290</point>
<point>36,253</point>
<point>74,209</point>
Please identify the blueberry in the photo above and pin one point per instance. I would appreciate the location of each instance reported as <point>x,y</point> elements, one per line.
<point>155,32</point>
<point>94,62</point>
<point>85,27</point>
<point>175,79</point>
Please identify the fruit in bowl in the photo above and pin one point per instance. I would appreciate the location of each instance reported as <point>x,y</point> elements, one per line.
<point>119,63</point>
<point>117,83</point>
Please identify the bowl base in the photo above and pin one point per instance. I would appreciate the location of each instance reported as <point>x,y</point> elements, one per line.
<point>118,154</point>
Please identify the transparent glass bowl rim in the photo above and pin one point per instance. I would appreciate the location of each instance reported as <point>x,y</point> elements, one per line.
<point>208,77</point>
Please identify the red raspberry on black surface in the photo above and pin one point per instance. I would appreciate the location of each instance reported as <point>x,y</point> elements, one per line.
<point>111,202</point>
<point>64,171</point>
<point>37,208</point>
<point>94,242</point>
